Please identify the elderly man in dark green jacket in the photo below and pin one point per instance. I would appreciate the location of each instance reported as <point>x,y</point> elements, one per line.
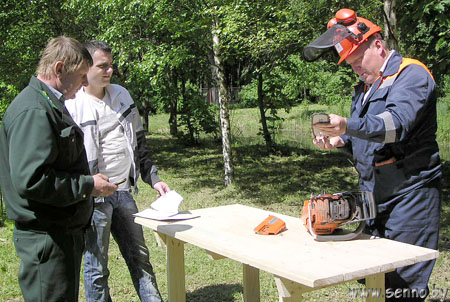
<point>44,175</point>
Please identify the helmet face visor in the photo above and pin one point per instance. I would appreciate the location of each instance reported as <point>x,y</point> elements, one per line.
<point>333,36</point>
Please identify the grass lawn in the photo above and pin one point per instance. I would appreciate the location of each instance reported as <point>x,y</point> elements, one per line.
<point>278,183</point>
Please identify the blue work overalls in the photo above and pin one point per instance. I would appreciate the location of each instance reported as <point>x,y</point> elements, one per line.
<point>392,138</point>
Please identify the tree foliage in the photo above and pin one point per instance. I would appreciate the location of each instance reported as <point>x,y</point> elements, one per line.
<point>163,49</point>
<point>424,28</point>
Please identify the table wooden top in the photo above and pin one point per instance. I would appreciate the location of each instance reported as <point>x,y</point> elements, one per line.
<point>293,254</point>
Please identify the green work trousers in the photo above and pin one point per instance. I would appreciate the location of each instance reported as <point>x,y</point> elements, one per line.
<point>50,264</point>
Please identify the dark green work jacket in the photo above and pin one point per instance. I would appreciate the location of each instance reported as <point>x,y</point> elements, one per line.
<point>44,174</point>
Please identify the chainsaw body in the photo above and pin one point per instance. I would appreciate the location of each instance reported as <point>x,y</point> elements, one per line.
<point>322,215</point>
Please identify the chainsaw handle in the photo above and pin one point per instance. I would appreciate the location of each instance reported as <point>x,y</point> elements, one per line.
<point>343,237</point>
<point>372,206</point>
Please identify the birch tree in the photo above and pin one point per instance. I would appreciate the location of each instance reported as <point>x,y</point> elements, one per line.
<point>223,103</point>
<point>390,23</point>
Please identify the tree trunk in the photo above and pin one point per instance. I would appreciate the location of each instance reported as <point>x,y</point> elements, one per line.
<point>144,112</point>
<point>173,109</point>
<point>223,105</point>
<point>145,122</point>
<point>262,112</point>
<point>187,114</point>
<point>390,23</point>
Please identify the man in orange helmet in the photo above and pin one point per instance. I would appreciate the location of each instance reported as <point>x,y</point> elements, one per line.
<point>391,135</point>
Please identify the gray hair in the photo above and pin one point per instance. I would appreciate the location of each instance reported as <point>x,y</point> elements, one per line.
<point>65,49</point>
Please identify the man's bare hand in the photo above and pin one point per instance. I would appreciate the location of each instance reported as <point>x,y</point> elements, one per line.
<point>162,188</point>
<point>328,143</point>
<point>102,186</point>
<point>336,126</point>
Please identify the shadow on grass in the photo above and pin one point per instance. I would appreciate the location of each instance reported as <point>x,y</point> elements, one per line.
<point>258,176</point>
<point>292,171</point>
<point>217,293</point>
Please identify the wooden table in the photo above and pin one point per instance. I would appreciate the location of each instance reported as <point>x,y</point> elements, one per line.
<point>298,263</point>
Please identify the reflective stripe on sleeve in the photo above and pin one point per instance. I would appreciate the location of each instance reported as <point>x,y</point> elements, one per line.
<point>389,127</point>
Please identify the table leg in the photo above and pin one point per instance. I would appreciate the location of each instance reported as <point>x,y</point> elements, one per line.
<point>375,288</point>
<point>160,239</point>
<point>175,270</point>
<point>251,283</point>
<point>289,291</point>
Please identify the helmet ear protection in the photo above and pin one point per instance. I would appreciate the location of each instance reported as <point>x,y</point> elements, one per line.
<point>346,32</point>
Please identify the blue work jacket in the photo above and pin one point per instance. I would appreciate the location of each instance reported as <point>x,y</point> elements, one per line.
<point>392,135</point>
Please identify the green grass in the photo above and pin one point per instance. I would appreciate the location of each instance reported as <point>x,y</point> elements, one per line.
<point>278,183</point>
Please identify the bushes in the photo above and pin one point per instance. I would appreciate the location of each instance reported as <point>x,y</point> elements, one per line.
<point>318,82</point>
<point>443,108</point>
<point>196,116</point>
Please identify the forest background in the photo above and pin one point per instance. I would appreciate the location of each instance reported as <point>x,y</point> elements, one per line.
<point>207,73</point>
<point>171,54</point>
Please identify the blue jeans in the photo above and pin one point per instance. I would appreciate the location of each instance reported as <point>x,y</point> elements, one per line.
<point>115,216</point>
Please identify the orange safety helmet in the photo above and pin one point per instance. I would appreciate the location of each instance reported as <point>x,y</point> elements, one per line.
<point>346,32</point>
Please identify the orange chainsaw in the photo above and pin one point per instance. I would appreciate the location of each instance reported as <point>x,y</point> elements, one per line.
<point>322,215</point>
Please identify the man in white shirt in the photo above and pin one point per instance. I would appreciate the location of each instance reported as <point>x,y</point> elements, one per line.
<point>115,144</point>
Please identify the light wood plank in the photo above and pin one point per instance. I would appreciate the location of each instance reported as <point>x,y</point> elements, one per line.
<point>289,291</point>
<point>251,283</point>
<point>375,284</point>
<point>214,256</point>
<point>175,270</point>
<point>160,239</point>
<point>293,254</point>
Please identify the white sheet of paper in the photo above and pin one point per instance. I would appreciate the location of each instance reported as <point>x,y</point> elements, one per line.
<point>156,215</point>
<point>168,204</point>
<point>166,208</point>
